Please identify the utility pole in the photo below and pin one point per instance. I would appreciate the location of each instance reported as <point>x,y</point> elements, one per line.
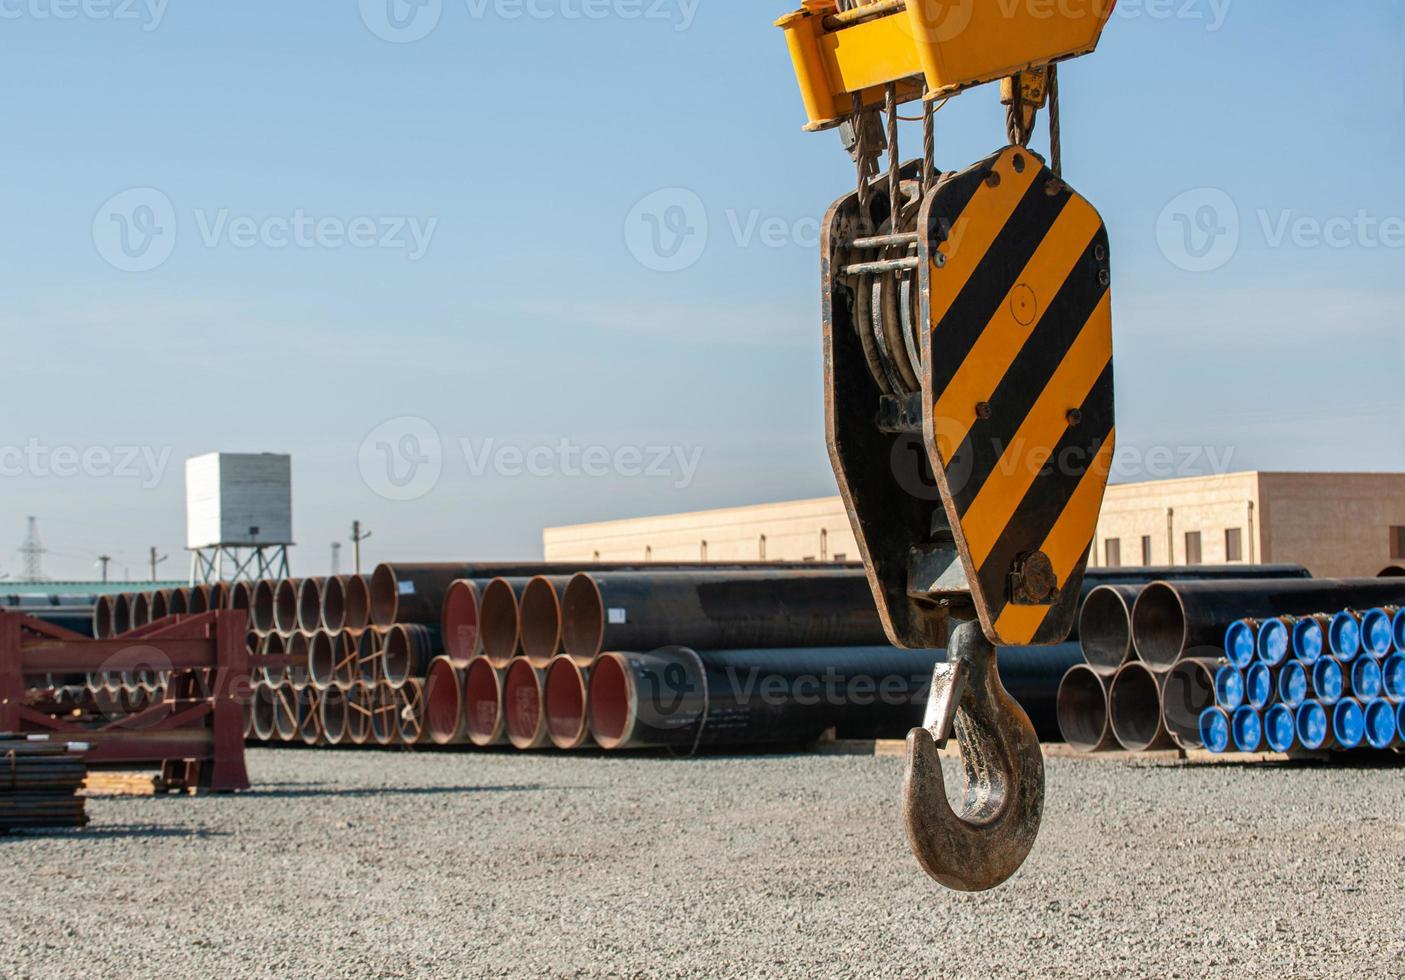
<point>33,553</point>
<point>336,558</point>
<point>155,560</point>
<point>357,536</point>
<point>104,561</point>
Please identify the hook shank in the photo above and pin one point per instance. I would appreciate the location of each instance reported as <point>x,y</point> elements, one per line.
<point>1003,805</point>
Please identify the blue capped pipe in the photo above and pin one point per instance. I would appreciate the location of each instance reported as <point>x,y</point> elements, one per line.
<point>1293,683</point>
<point>1280,728</point>
<point>1214,730</point>
<point>1329,680</point>
<point>1276,640</point>
<point>1366,680</point>
<point>1377,631</point>
<point>1310,638</point>
<point>1241,642</point>
<point>1247,727</point>
<point>1397,629</point>
<point>1382,724</point>
<point>1229,687</point>
<point>1314,726</point>
<point>1400,721</point>
<point>1344,635</point>
<point>1348,723</point>
<point>1260,686</point>
<point>1393,677</point>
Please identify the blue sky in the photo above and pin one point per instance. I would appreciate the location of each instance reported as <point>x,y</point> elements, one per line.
<point>491,174</point>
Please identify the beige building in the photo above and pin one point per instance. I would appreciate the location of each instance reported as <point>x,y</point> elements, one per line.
<point>1337,524</point>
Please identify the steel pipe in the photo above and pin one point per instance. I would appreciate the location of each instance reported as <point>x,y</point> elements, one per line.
<point>333,613</point>
<point>523,704</point>
<point>409,712</point>
<point>539,613</point>
<point>1382,724</point>
<point>140,605</point>
<point>567,695</point>
<point>414,593</point>
<point>485,720</point>
<point>369,643</point>
<point>103,616</point>
<point>1214,730</point>
<point>1329,680</point>
<point>444,719</point>
<point>1260,685</point>
<point>1348,723</point>
<point>1174,619</point>
<point>273,645</point>
<point>1082,710</point>
<point>1246,727</point>
<point>500,620</point>
<point>1377,634</point>
<point>309,717</point>
<point>309,617</point>
<point>718,610</point>
<point>285,605</point>
<point>385,714</point>
<point>1188,690</point>
<point>458,624</point>
<point>298,645</point>
<point>1105,627</point>
<point>1280,728</point>
<point>121,613</point>
<point>333,713</point>
<point>1366,679</point>
<point>1344,635</point>
<point>357,596</point>
<point>262,605</point>
<point>407,652</point>
<point>360,708</point>
<point>241,596</point>
<point>1134,707</point>
<point>178,602</point>
<point>160,606</point>
<point>200,599</point>
<point>1310,637</point>
<point>1315,726</point>
<point>322,659</point>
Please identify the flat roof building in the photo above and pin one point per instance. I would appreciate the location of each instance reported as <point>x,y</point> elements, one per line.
<point>1336,524</point>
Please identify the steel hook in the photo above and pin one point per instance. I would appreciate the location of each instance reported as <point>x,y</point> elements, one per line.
<point>986,843</point>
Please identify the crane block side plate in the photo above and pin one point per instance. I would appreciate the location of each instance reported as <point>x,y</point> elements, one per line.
<point>1017,385</point>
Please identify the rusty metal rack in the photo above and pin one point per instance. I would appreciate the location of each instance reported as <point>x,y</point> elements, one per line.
<point>194,733</point>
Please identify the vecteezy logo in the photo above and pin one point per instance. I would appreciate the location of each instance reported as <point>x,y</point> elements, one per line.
<point>135,231</point>
<point>402,459</point>
<point>1199,230</point>
<point>939,21</point>
<point>401,21</point>
<point>667,231</point>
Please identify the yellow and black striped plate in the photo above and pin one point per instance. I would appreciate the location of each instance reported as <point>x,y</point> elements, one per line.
<point>1018,385</point>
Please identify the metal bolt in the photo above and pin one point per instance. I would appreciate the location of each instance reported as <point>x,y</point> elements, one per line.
<point>983,411</point>
<point>1099,253</point>
<point>940,260</point>
<point>1105,278</point>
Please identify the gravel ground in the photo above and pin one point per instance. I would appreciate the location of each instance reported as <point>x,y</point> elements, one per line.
<point>392,864</point>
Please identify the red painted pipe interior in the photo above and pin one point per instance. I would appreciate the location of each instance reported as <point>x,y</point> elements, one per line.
<point>460,622</point>
<point>482,700</point>
<point>582,618</point>
<point>541,621</point>
<point>565,701</point>
<point>609,702</point>
<point>499,621</point>
<point>443,701</point>
<point>522,701</point>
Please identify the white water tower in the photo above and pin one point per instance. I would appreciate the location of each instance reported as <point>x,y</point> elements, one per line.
<point>239,515</point>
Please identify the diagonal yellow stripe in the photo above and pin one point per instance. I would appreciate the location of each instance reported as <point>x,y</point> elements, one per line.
<point>969,240</point>
<point>1065,544</point>
<point>1028,453</point>
<point>1004,337</point>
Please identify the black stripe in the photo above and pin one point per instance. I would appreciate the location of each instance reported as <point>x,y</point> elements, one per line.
<point>952,197</point>
<point>1029,374</point>
<point>1050,492</point>
<point>992,280</point>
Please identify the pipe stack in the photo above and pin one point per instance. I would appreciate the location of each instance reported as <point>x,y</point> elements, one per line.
<point>1120,697</point>
<point>1310,684</point>
<point>39,783</point>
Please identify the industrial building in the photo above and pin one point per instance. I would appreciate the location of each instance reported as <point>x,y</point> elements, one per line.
<point>1336,524</point>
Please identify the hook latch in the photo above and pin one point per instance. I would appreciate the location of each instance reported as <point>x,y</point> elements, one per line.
<point>1003,802</point>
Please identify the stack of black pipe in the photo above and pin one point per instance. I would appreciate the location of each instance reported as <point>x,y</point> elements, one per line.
<point>39,784</point>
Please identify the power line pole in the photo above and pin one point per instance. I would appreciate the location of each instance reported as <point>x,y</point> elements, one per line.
<point>357,536</point>
<point>33,553</point>
<point>336,558</point>
<point>104,561</point>
<point>156,561</point>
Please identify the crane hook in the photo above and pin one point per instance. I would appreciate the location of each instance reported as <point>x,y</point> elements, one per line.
<point>987,842</point>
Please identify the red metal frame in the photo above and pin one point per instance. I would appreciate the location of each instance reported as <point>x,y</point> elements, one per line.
<point>196,733</point>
